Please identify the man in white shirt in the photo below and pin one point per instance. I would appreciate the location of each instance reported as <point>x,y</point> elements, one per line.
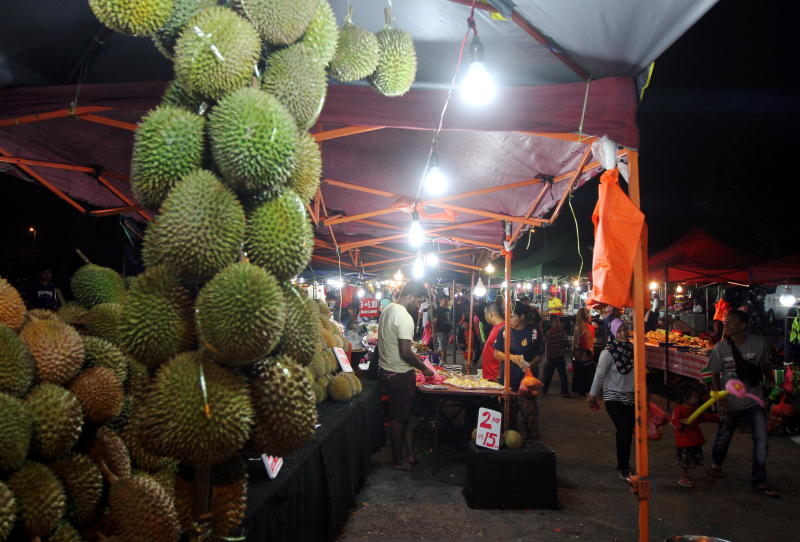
<point>397,363</point>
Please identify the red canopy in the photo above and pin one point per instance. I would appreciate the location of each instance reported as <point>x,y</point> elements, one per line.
<point>699,257</point>
<point>777,271</point>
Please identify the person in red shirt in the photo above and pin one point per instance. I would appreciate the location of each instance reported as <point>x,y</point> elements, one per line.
<point>689,438</point>
<point>494,316</point>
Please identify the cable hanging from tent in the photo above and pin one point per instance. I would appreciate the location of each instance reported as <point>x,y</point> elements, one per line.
<point>583,110</point>
<point>471,27</point>
<point>577,235</point>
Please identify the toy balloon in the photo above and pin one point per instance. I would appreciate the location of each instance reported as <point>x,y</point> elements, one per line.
<point>715,396</point>
<point>737,389</point>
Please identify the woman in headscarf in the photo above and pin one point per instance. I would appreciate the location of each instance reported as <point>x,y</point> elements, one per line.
<point>583,362</point>
<point>614,376</point>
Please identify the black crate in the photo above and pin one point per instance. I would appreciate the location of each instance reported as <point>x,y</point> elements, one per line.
<point>511,479</point>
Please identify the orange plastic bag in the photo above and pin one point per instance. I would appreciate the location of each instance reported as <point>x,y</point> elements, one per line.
<point>618,227</point>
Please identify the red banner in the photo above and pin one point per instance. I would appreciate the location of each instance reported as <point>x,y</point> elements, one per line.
<point>369,307</point>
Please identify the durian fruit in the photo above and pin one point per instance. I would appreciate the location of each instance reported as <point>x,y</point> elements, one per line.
<point>16,364</point>
<point>228,498</point>
<point>142,511</point>
<point>357,53</point>
<point>183,10</point>
<point>109,449</point>
<point>329,338</point>
<point>322,32</point>
<point>279,22</point>
<point>16,428</point>
<point>93,284</point>
<point>65,533</point>
<point>177,95</point>
<point>253,139</point>
<point>340,389</point>
<point>319,365</point>
<point>285,408</point>
<point>329,358</point>
<point>157,319</point>
<point>279,236</point>
<point>57,419</point>
<point>168,145</point>
<point>319,392</point>
<point>83,484</point>
<point>165,477</point>
<point>301,330</point>
<point>240,314</point>
<point>355,383</point>
<point>216,52</point>
<point>200,228</point>
<point>101,353</point>
<point>142,458</point>
<point>196,411</point>
<point>99,392</point>
<point>321,306</point>
<point>72,313</point>
<point>40,498</point>
<point>57,350</point>
<point>8,511</point>
<point>297,78</point>
<point>152,251</point>
<point>102,321</point>
<point>134,17</point>
<point>397,61</point>
<point>34,315</point>
<point>308,167</point>
<point>12,308</point>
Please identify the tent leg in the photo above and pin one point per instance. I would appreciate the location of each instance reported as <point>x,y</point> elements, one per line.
<point>469,324</point>
<point>641,482</point>
<point>453,314</point>
<point>507,333</point>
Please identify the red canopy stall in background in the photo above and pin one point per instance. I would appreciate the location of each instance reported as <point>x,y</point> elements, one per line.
<point>777,271</point>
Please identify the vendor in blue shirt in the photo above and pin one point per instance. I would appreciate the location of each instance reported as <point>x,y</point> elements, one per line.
<point>526,345</point>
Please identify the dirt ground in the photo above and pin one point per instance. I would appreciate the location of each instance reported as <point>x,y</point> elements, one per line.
<point>596,504</point>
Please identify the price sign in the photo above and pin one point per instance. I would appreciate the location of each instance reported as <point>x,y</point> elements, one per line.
<point>489,422</point>
<point>344,362</point>
<point>368,308</point>
<point>272,464</point>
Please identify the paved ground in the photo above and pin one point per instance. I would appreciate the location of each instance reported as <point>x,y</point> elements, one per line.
<point>596,505</point>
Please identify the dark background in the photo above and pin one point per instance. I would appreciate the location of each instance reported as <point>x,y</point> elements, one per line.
<point>717,151</point>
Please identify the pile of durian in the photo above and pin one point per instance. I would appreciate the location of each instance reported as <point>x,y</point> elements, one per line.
<point>120,410</point>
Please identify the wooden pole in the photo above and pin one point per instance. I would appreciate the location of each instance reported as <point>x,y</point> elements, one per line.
<point>453,318</point>
<point>640,482</point>
<point>507,333</point>
<point>469,325</point>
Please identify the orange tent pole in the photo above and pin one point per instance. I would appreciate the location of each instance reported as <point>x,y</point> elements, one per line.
<point>507,334</point>
<point>342,132</point>
<point>109,122</point>
<point>125,199</point>
<point>56,165</point>
<point>573,180</point>
<point>641,482</point>
<point>469,324</point>
<point>47,184</point>
<point>59,114</point>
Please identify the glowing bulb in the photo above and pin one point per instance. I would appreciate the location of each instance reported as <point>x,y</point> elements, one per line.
<point>653,286</point>
<point>399,275</point>
<point>418,269</point>
<point>787,298</point>
<point>360,293</point>
<point>505,284</point>
<point>336,283</point>
<point>378,295</point>
<point>576,283</point>
<point>489,268</point>
<point>31,229</point>
<point>435,179</point>
<point>545,286</point>
<point>566,285</point>
<point>432,259</point>
<point>480,289</point>
<point>478,87</point>
<point>301,280</point>
<point>415,234</point>
<point>679,289</point>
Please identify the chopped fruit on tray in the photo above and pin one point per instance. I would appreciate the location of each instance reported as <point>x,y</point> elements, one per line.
<point>473,383</point>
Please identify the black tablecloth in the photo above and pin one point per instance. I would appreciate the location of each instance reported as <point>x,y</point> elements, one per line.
<point>317,485</point>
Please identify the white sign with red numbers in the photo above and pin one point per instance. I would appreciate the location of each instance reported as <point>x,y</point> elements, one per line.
<point>344,361</point>
<point>368,308</point>
<point>272,464</point>
<point>489,423</point>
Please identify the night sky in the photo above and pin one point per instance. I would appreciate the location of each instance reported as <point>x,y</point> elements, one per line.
<point>716,152</point>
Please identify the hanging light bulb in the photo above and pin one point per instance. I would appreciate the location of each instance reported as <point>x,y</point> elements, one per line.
<point>679,289</point>
<point>478,87</point>
<point>545,286</point>
<point>360,293</point>
<point>415,234</point>
<point>489,268</point>
<point>576,283</point>
<point>435,179</point>
<point>432,259</point>
<point>378,295</point>
<point>399,275</point>
<point>653,286</point>
<point>787,298</point>
<point>505,284</point>
<point>418,269</point>
<point>480,289</point>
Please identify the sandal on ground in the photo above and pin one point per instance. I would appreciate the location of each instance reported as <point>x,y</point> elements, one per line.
<point>685,482</point>
<point>715,471</point>
<point>768,492</point>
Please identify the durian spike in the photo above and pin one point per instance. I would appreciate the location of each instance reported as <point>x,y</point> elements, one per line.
<point>107,474</point>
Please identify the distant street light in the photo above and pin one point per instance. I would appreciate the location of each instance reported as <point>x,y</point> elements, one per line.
<point>32,230</point>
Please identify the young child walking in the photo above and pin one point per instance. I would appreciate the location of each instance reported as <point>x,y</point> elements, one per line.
<point>689,438</point>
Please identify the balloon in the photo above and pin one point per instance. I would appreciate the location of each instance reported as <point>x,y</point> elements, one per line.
<point>715,396</point>
<point>734,387</point>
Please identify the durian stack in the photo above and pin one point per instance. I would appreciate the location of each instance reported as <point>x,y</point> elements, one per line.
<point>115,408</point>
